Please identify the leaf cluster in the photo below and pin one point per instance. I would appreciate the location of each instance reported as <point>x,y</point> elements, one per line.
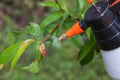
<point>66,17</point>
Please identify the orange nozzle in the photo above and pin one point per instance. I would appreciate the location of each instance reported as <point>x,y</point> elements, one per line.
<point>115,2</point>
<point>76,29</point>
<point>90,1</point>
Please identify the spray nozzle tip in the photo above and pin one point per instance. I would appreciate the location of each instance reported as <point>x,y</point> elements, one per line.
<point>90,1</point>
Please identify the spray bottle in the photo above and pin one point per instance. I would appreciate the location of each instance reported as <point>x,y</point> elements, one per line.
<point>105,24</point>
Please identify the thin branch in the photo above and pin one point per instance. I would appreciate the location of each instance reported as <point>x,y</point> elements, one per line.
<point>56,26</point>
<point>49,35</point>
<point>59,6</point>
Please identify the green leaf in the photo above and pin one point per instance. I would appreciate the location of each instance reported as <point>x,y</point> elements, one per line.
<point>64,17</point>
<point>49,4</point>
<point>63,5</point>
<point>9,53</point>
<point>33,29</point>
<point>38,53</point>
<point>88,33</point>
<point>86,49</point>
<point>88,58</point>
<point>81,4</point>
<point>33,67</point>
<point>50,19</point>
<point>20,51</point>
<point>61,26</point>
<point>77,41</point>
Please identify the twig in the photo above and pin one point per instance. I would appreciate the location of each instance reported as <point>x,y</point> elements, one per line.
<point>49,35</point>
<point>59,6</point>
<point>56,26</point>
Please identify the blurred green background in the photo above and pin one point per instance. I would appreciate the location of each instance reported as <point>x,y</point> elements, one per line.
<point>59,64</point>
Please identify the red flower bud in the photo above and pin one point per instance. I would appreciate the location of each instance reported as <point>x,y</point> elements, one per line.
<point>42,49</point>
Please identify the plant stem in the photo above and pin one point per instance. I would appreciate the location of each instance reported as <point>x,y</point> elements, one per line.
<point>59,6</point>
<point>49,35</point>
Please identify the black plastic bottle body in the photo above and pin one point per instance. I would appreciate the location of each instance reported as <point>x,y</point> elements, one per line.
<point>106,27</point>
